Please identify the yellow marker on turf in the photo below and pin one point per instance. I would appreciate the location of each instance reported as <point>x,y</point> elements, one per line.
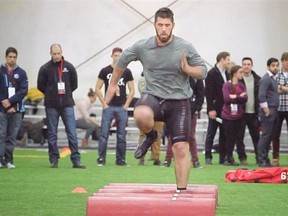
<point>65,152</point>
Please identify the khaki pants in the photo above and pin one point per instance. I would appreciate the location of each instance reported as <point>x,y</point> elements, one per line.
<point>155,149</point>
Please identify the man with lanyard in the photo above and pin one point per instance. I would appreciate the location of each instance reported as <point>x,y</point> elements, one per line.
<point>13,89</point>
<point>57,79</point>
<point>167,61</point>
<point>282,79</point>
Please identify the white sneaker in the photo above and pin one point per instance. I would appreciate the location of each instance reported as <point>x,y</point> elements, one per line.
<point>1,165</point>
<point>10,166</point>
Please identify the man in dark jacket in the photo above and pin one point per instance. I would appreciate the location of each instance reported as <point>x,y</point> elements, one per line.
<point>251,81</point>
<point>13,88</point>
<point>57,79</point>
<point>216,77</point>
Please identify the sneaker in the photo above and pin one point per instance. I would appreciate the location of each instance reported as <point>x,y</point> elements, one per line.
<point>121,163</point>
<point>10,165</point>
<point>79,166</point>
<point>208,161</point>
<point>144,145</point>
<point>264,164</point>
<point>100,162</point>
<point>243,162</point>
<point>166,163</point>
<point>197,165</point>
<point>230,163</point>
<point>156,162</point>
<point>275,163</point>
<point>1,165</point>
<point>54,165</point>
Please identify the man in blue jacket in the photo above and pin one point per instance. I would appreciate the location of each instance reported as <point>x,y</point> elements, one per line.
<point>13,88</point>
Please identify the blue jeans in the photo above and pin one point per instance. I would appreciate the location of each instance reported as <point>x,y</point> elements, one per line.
<point>121,116</point>
<point>68,118</point>
<point>9,127</point>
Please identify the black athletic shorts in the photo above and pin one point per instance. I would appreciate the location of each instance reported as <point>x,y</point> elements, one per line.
<point>174,113</point>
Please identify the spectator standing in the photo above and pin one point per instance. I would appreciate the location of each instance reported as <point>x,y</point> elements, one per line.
<point>57,79</point>
<point>196,103</point>
<point>167,61</point>
<point>83,117</point>
<point>269,102</point>
<point>116,108</point>
<point>282,79</point>
<point>216,77</point>
<point>13,89</point>
<point>251,117</point>
<point>235,96</point>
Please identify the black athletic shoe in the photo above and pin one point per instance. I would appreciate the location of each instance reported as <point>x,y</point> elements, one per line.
<point>230,163</point>
<point>121,163</point>
<point>79,166</point>
<point>197,165</point>
<point>166,163</point>
<point>157,163</point>
<point>100,162</point>
<point>143,146</point>
<point>54,165</point>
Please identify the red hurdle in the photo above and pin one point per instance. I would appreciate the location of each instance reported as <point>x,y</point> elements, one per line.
<point>153,199</point>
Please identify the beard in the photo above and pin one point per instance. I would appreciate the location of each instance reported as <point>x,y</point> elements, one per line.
<point>164,38</point>
<point>275,72</point>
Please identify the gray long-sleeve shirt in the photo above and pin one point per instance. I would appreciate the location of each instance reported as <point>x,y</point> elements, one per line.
<point>162,66</point>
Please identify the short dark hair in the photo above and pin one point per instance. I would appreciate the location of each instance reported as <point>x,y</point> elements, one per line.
<point>271,60</point>
<point>116,49</point>
<point>165,13</point>
<point>284,56</point>
<point>222,55</point>
<point>11,50</point>
<point>247,59</point>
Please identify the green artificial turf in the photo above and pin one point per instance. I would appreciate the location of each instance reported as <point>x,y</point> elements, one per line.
<point>35,189</point>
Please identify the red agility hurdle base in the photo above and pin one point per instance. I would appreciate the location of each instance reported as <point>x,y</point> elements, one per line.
<point>153,199</point>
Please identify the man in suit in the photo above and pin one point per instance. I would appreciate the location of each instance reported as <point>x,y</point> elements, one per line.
<point>216,77</point>
<point>269,102</point>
